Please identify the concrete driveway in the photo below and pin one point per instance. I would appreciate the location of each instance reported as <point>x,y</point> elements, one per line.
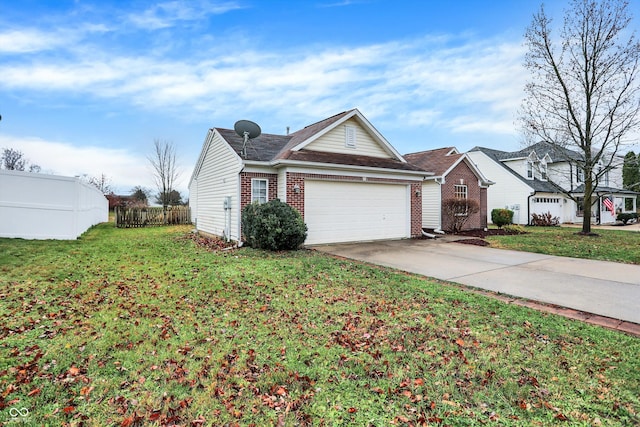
<point>603,288</point>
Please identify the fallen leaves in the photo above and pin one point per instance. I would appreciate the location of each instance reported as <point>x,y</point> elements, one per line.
<point>195,338</point>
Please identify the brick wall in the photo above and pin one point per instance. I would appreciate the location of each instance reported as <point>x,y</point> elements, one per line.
<point>416,209</point>
<point>462,174</point>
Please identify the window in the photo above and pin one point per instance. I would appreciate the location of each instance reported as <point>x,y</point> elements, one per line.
<point>579,174</point>
<point>546,200</point>
<point>629,206</point>
<point>530,170</point>
<point>259,190</point>
<point>460,191</point>
<point>350,137</point>
<point>543,171</point>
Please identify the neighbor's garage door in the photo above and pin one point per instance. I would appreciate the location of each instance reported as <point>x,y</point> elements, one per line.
<point>350,211</point>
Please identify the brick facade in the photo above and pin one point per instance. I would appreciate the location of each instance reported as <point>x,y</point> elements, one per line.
<point>463,175</point>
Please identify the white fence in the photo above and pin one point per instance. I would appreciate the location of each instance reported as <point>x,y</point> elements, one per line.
<point>40,206</point>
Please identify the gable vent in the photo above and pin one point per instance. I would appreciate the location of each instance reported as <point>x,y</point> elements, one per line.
<point>350,137</point>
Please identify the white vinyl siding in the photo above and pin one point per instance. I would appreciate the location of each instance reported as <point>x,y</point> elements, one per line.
<point>282,185</point>
<point>217,179</point>
<point>355,211</point>
<point>507,192</point>
<point>334,142</point>
<point>431,205</point>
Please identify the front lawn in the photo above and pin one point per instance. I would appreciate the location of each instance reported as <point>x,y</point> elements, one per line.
<point>133,327</point>
<point>608,245</point>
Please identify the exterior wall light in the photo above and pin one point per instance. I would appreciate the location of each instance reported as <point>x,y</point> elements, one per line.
<point>296,188</point>
<point>418,193</point>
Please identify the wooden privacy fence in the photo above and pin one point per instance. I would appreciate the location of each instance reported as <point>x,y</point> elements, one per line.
<point>142,217</point>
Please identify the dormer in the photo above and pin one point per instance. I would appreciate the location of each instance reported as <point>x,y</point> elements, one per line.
<point>543,167</point>
<point>532,161</point>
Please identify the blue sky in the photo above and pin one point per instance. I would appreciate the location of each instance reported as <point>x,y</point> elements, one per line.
<point>87,86</point>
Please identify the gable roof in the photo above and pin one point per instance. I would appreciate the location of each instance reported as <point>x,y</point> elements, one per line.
<point>501,156</point>
<point>441,161</point>
<point>278,149</point>
<point>438,161</point>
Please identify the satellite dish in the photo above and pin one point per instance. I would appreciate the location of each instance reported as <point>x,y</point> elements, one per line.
<point>246,127</point>
<point>247,130</point>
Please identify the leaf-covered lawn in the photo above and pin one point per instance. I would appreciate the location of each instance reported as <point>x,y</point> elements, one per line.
<point>132,327</point>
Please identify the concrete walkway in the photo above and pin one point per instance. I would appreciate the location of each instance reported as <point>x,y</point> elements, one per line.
<point>602,288</point>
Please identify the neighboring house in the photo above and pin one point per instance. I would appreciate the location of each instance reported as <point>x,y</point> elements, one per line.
<point>346,180</point>
<point>544,179</point>
<point>455,176</point>
<point>41,206</point>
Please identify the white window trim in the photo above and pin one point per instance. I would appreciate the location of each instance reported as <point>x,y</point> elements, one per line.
<point>530,173</point>
<point>266,195</point>
<point>456,192</point>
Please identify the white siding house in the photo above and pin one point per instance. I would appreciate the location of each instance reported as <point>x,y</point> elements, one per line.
<point>344,178</point>
<point>543,179</point>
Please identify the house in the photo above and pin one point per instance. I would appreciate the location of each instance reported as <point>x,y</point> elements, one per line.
<point>454,176</point>
<point>346,180</point>
<point>42,206</point>
<point>544,179</point>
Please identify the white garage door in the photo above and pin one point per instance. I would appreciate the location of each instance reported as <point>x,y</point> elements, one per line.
<point>350,211</point>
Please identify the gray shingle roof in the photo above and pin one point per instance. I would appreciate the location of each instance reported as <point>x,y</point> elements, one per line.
<point>498,156</point>
<point>270,148</point>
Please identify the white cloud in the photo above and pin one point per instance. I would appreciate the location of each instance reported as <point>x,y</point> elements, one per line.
<point>170,13</point>
<point>124,168</point>
<point>29,40</point>
<point>458,84</point>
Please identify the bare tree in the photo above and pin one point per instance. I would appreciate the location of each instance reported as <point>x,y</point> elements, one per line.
<point>456,213</point>
<point>13,160</point>
<point>583,92</point>
<point>102,183</point>
<point>165,170</point>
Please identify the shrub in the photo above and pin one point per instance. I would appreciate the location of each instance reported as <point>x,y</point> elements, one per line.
<point>273,225</point>
<point>626,217</point>
<point>456,212</point>
<point>544,220</point>
<point>514,229</point>
<point>501,217</point>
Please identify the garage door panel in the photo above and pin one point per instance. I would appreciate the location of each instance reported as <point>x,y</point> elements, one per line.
<point>347,211</point>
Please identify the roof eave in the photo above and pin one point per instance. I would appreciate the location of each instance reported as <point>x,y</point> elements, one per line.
<point>336,166</point>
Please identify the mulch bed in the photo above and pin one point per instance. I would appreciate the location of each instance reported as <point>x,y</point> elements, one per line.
<point>476,237</point>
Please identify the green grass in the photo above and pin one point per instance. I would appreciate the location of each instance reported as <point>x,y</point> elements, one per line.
<point>143,327</point>
<point>607,245</point>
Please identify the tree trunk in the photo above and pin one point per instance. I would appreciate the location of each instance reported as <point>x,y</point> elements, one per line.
<point>588,192</point>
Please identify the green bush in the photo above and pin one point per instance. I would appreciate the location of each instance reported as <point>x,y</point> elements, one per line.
<point>626,217</point>
<point>501,217</point>
<point>273,225</point>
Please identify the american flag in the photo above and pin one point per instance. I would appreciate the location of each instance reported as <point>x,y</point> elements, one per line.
<point>608,203</point>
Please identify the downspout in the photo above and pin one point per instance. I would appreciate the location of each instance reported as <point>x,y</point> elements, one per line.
<point>529,207</point>
<point>438,230</point>
<point>239,205</point>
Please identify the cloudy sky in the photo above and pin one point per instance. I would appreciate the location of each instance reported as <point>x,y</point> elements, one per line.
<point>86,86</point>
